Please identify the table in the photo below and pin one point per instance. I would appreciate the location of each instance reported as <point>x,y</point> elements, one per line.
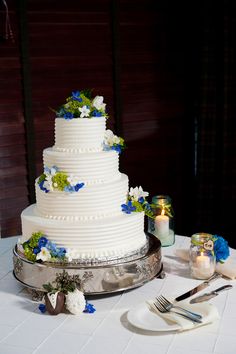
<point>24,330</point>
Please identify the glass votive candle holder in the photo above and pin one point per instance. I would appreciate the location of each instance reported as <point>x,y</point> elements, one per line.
<point>202,259</point>
<point>162,225</point>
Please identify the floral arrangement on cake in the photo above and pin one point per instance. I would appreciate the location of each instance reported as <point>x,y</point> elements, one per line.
<point>113,142</point>
<point>39,249</point>
<point>52,179</point>
<point>136,202</point>
<point>65,292</point>
<point>81,104</point>
<point>217,245</point>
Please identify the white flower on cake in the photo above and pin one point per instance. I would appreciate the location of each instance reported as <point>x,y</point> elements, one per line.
<point>49,173</point>
<point>48,182</point>
<point>110,138</point>
<point>53,171</point>
<point>44,255</point>
<point>98,103</point>
<point>73,180</point>
<point>75,302</point>
<point>84,111</point>
<point>20,246</point>
<point>137,193</point>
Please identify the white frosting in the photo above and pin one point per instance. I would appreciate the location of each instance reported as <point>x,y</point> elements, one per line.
<point>94,167</point>
<point>100,238</point>
<point>86,134</point>
<point>92,201</point>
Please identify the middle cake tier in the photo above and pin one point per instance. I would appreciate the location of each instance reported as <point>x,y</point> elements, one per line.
<point>90,168</point>
<point>93,201</point>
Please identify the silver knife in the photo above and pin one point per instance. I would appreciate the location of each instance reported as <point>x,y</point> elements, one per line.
<point>198,288</point>
<point>208,296</point>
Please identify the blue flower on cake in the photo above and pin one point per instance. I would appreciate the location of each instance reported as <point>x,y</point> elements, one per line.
<point>96,113</point>
<point>128,208</point>
<point>68,115</point>
<point>113,142</point>
<point>42,241</point>
<point>76,96</point>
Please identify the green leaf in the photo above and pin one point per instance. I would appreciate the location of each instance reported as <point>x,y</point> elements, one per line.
<point>41,178</point>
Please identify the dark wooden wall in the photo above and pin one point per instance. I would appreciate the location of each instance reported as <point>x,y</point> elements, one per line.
<point>137,54</point>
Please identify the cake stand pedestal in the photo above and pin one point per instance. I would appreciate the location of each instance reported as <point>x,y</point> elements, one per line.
<point>100,278</point>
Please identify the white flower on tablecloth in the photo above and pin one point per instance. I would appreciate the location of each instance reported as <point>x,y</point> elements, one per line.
<point>98,103</point>
<point>84,111</point>
<point>137,193</point>
<point>75,302</point>
<point>73,180</point>
<point>44,255</point>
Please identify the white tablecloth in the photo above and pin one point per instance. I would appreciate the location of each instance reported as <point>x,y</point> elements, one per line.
<point>24,330</point>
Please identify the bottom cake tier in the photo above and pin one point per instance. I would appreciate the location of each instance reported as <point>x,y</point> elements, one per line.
<point>104,239</point>
<point>101,278</point>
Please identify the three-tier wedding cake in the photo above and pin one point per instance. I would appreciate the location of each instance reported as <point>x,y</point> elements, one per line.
<point>84,210</point>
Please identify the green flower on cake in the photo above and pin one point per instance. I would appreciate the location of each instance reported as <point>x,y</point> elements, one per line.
<point>54,180</point>
<point>136,202</point>
<point>113,142</point>
<point>81,105</point>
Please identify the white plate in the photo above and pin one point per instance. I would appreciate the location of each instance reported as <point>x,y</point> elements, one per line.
<point>142,317</point>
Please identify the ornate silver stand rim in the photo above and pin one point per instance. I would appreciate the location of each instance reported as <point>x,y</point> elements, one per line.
<point>98,278</point>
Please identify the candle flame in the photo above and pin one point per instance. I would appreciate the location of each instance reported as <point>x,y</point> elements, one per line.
<point>163,212</point>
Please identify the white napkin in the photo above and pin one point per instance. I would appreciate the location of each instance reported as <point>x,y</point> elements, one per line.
<point>228,268</point>
<point>208,311</point>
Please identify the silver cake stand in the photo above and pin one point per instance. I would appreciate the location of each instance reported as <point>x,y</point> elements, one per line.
<point>101,277</point>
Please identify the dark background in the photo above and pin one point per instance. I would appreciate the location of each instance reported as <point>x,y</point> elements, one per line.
<point>167,71</point>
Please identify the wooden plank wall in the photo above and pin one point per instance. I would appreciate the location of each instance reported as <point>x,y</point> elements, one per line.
<point>128,52</point>
<point>13,166</point>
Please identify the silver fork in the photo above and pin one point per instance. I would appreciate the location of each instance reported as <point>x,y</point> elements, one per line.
<point>160,307</point>
<point>168,305</point>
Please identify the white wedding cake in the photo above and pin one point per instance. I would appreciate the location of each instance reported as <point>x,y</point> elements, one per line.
<point>80,195</point>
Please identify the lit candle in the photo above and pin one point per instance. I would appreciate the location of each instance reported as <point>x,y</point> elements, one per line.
<point>162,224</point>
<point>202,262</point>
<point>203,268</point>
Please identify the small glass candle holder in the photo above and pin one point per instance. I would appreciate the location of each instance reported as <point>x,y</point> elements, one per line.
<point>202,259</point>
<point>162,225</point>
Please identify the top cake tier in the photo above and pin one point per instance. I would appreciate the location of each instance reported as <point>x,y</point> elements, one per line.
<point>82,135</point>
